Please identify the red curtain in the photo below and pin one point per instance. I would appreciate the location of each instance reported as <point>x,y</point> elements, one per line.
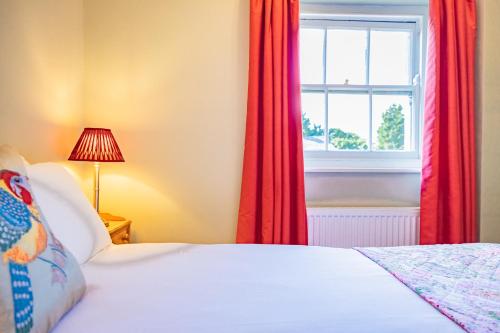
<point>448,195</point>
<point>272,203</point>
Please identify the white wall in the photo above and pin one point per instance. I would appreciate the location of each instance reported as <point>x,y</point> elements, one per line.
<point>363,189</point>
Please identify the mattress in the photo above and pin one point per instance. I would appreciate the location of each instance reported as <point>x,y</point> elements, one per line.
<point>245,288</point>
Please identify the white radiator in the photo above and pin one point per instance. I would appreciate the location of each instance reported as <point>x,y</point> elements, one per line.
<point>363,226</point>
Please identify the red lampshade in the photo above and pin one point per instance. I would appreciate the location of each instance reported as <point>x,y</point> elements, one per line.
<point>96,145</point>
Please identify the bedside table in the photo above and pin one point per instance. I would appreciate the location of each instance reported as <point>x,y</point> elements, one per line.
<point>119,231</point>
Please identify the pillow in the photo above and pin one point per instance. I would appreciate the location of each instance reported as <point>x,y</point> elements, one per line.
<point>39,279</point>
<point>68,212</point>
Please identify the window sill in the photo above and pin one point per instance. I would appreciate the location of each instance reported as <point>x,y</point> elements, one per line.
<point>411,166</point>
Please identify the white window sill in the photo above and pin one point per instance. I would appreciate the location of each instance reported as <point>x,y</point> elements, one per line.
<point>362,166</point>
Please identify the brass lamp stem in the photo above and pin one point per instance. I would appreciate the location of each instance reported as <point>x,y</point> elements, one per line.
<point>96,186</point>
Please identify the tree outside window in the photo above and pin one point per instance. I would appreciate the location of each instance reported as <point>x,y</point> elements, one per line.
<point>390,132</point>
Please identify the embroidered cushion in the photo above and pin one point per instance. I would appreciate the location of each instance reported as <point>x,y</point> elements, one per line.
<point>39,279</point>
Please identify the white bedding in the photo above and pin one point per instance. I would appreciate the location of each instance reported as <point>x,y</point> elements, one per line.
<point>245,288</point>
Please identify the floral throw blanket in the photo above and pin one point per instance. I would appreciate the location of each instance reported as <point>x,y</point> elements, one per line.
<point>461,281</point>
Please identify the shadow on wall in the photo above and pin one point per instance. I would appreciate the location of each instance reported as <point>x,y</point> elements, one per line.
<point>145,205</point>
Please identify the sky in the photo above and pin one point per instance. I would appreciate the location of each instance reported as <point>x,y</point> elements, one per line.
<point>346,54</point>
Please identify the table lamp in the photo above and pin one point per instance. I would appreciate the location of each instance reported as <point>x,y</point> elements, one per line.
<point>96,145</point>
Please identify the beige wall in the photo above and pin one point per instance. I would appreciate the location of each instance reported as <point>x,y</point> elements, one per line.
<point>489,119</point>
<point>169,78</point>
<point>41,76</point>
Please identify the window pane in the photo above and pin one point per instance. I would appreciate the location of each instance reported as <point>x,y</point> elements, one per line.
<point>346,56</point>
<point>390,57</point>
<point>311,55</point>
<point>391,122</point>
<point>348,120</point>
<point>313,120</point>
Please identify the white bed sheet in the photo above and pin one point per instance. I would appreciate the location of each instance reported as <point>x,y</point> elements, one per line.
<point>245,288</point>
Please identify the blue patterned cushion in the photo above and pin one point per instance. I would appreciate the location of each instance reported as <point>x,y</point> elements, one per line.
<point>39,279</point>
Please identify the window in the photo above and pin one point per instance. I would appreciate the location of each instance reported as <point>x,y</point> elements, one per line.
<point>361,92</point>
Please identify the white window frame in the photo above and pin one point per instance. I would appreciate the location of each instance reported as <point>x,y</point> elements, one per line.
<point>397,17</point>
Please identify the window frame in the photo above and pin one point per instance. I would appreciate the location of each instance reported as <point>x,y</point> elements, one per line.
<point>393,18</point>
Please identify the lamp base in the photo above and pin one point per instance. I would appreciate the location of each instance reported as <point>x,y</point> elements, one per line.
<point>96,186</point>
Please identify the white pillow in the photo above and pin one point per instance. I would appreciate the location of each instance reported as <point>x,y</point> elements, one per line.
<point>68,212</point>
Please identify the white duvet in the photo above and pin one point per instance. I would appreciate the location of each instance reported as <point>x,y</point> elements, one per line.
<point>245,288</point>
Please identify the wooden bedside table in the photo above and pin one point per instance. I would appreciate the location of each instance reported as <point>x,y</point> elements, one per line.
<point>119,231</point>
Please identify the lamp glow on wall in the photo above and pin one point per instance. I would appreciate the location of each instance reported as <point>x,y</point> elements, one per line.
<point>96,145</point>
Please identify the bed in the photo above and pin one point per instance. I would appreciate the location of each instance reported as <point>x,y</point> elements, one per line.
<point>228,288</point>
<point>245,288</point>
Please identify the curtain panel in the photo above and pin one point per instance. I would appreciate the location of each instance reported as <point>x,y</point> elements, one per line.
<point>272,202</point>
<point>448,194</point>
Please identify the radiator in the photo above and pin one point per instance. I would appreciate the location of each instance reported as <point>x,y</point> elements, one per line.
<point>363,226</point>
